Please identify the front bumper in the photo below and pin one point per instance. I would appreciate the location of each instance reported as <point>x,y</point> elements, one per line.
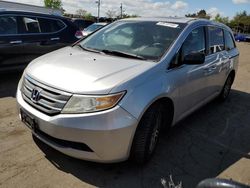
<point>108,134</point>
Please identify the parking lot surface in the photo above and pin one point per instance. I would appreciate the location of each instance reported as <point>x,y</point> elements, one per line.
<point>213,141</point>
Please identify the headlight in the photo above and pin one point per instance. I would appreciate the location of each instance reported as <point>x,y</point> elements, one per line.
<point>85,103</point>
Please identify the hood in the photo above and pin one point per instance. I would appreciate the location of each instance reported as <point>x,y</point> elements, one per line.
<point>77,71</point>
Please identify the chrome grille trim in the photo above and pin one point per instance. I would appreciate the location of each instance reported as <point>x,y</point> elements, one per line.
<point>51,100</point>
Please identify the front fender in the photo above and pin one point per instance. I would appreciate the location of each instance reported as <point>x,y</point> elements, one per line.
<point>145,89</point>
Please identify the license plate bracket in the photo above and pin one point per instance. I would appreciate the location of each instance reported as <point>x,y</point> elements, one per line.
<point>28,120</point>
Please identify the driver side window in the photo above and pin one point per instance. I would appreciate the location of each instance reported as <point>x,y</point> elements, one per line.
<point>195,42</point>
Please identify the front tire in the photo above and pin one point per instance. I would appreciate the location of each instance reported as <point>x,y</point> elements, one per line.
<point>147,134</point>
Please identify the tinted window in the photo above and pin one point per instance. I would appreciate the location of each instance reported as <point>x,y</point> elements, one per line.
<point>50,25</point>
<point>146,39</point>
<point>216,40</point>
<point>8,25</point>
<point>195,42</point>
<point>31,25</point>
<point>229,43</point>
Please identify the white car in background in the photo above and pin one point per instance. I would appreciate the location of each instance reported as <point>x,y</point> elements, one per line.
<point>92,28</point>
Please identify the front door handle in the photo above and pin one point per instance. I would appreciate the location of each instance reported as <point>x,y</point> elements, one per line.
<point>16,42</point>
<point>210,69</point>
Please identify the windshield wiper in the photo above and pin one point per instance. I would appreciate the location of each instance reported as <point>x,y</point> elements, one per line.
<point>123,54</point>
<point>114,52</point>
<point>89,49</point>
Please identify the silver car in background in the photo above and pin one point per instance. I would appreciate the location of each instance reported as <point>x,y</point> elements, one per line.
<point>108,97</point>
<point>92,28</point>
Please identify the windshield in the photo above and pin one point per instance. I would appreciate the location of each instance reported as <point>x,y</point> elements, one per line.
<point>146,39</point>
<point>93,27</point>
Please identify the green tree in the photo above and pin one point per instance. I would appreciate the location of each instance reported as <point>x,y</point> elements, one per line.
<point>81,12</point>
<point>194,15</point>
<point>221,19</point>
<point>89,16</point>
<point>242,18</point>
<point>111,13</point>
<point>201,14</point>
<point>241,22</point>
<point>129,16</point>
<point>56,4</point>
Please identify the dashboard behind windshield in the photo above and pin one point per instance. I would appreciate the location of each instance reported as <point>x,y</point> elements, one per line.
<point>147,39</point>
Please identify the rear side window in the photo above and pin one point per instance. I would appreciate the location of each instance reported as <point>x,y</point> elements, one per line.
<point>216,40</point>
<point>39,25</point>
<point>229,42</point>
<point>8,25</point>
<point>50,25</point>
<point>30,25</point>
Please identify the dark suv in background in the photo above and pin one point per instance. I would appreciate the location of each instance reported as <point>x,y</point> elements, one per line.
<point>25,36</point>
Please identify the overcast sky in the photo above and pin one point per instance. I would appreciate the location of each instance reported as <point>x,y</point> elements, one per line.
<point>154,7</point>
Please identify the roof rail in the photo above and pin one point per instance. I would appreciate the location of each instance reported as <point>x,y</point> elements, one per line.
<point>28,11</point>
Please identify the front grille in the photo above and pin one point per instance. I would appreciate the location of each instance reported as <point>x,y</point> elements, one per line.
<point>45,99</point>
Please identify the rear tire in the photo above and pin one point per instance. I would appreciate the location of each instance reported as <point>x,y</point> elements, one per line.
<point>147,134</point>
<point>226,88</point>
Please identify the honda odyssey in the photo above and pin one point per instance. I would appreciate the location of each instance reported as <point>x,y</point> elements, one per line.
<point>108,97</point>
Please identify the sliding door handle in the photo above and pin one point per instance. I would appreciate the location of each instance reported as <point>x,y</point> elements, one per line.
<point>16,42</point>
<point>55,38</point>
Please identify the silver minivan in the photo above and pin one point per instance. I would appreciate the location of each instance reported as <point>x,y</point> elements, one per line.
<point>109,96</point>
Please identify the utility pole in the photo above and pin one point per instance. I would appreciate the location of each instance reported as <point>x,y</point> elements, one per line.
<point>121,10</point>
<point>98,9</point>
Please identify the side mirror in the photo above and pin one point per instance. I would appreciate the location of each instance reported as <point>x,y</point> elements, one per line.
<point>194,58</point>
